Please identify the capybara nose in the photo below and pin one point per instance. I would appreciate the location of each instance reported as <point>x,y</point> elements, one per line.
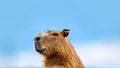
<point>37,39</point>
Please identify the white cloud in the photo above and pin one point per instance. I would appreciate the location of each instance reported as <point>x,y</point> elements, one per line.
<point>92,54</point>
<point>99,54</point>
<point>31,59</point>
<point>23,59</point>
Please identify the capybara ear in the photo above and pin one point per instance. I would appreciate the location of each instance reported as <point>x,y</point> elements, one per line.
<point>65,32</point>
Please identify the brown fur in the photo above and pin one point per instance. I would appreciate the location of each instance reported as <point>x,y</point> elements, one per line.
<point>59,51</point>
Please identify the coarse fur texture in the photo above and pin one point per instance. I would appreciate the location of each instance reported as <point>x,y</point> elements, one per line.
<point>57,50</point>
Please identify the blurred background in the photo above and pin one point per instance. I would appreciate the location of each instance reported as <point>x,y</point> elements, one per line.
<point>94,25</point>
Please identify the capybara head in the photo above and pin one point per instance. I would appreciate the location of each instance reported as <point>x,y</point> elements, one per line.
<point>51,42</point>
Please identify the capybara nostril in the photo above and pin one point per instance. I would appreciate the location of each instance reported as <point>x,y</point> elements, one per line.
<point>37,39</point>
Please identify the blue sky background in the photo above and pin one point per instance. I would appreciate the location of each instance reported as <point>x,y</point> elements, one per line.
<point>88,20</point>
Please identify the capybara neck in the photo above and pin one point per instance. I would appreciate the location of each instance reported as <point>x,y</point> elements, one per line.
<point>64,55</point>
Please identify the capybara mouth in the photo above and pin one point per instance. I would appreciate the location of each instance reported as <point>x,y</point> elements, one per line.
<point>39,48</point>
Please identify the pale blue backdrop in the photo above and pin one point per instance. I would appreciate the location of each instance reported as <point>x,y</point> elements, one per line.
<point>88,20</point>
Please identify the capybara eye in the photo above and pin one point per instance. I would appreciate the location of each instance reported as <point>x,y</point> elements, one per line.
<point>55,34</point>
